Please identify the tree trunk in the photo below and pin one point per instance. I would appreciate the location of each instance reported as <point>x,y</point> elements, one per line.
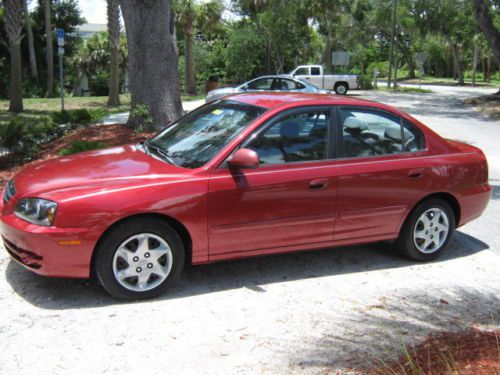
<point>488,68</point>
<point>154,80</point>
<point>114,44</point>
<point>456,62</point>
<point>409,60</point>
<point>483,63</point>
<point>31,45</point>
<point>16,81</point>
<point>327,54</point>
<point>13,19</point>
<point>50,54</point>
<point>485,21</point>
<point>474,62</point>
<point>189,74</point>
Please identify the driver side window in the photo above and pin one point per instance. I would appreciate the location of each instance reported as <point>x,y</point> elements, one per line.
<point>296,138</point>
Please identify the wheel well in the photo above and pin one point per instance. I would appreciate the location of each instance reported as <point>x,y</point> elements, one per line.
<point>448,198</point>
<point>341,83</point>
<point>177,225</point>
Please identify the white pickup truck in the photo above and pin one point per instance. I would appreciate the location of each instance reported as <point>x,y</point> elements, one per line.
<point>314,74</point>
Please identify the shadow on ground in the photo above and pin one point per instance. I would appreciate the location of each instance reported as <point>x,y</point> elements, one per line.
<point>50,293</point>
<point>403,321</point>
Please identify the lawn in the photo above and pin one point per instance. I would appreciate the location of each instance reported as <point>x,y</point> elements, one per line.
<point>452,82</point>
<point>404,89</point>
<point>34,107</point>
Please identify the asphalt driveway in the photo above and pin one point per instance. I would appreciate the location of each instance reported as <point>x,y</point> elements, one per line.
<point>298,313</point>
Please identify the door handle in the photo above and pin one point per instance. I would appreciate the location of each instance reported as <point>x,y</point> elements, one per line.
<point>416,173</point>
<point>318,183</point>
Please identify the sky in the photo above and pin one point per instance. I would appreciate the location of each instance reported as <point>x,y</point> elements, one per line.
<point>95,10</point>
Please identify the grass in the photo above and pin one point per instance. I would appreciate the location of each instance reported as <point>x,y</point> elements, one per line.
<point>405,89</point>
<point>452,82</point>
<point>35,107</point>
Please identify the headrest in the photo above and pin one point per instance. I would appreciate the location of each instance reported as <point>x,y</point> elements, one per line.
<point>355,124</point>
<point>290,129</point>
<point>394,133</point>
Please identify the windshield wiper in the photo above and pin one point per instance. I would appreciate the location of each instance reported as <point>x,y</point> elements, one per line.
<point>159,150</point>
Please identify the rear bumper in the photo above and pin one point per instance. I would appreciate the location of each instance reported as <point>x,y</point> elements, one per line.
<point>473,202</point>
<point>48,251</point>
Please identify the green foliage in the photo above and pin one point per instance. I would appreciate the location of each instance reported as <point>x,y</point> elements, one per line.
<point>141,118</point>
<point>365,82</point>
<point>77,117</point>
<point>81,146</point>
<point>22,135</point>
<point>383,69</point>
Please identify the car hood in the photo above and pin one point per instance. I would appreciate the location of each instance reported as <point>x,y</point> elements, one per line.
<point>104,168</point>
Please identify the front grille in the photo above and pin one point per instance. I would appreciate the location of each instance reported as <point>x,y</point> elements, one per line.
<point>9,191</point>
<point>25,257</point>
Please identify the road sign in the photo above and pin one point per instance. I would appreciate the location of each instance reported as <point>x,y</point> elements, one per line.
<point>60,37</point>
<point>340,58</point>
<point>421,57</point>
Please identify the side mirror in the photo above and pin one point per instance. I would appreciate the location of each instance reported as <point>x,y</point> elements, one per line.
<point>244,158</point>
<point>244,88</point>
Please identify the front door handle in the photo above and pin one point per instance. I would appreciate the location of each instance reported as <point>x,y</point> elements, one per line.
<point>319,183</point>
<point>416,173</point>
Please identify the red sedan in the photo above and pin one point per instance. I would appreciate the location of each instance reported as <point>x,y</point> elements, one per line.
<point>252,174</point>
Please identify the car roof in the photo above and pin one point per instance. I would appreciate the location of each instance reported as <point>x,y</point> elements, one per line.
<point>271,100</point>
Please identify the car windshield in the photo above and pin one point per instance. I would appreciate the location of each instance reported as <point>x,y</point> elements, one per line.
<point>196,138</point>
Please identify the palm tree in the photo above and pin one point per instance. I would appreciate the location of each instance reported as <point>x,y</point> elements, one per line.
<point>31,45</point>
<point>50,56</point>
<point>191,16</point>
<point>114,45</point>
<point>13,27</point>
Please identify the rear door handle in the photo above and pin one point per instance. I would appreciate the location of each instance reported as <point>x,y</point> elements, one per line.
<point>318,183</point>
<point>416,173</point>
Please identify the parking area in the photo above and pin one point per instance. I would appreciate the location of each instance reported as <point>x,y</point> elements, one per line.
<point>302,313</point>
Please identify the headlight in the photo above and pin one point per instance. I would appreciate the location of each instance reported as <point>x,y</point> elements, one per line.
<point>36,211</point>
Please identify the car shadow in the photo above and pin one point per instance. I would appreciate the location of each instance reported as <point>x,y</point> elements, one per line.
<point>252,273</point>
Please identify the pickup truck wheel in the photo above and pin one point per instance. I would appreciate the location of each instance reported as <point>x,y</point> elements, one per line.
<point>341,88</point>
<point>139,259</point>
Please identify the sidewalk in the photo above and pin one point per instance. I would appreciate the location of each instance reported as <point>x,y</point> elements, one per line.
<point>122,118</point>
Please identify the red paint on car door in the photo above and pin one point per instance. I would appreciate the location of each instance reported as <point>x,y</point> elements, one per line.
<point>374,194</point>
<point>271,207</point>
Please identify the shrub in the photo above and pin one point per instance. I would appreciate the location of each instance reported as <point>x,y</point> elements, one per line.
<point>22,135</point>
<point>75,117</point>
<point>365,82</point>
<point>80,146</point>
<point>141,118</point>
<point>383,69</point>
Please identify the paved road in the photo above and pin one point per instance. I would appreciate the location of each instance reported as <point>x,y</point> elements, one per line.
<point>298,313</point>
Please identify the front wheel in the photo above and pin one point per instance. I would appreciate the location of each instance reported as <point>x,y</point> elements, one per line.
<point>427,230</point>
<point>139,259</point>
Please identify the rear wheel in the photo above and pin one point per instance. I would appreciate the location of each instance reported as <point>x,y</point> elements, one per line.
<point>341,88</point>
<point>427,230</point>
<point>139,259</point>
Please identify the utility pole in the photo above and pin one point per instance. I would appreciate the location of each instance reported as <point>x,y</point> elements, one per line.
<point>395,84</point>
<point>60,52</point>
<point>393,34</point>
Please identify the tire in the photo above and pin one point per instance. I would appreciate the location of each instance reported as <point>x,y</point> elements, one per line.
<point>139,259</point>
<point>423,237</point>
<point>341,88</point>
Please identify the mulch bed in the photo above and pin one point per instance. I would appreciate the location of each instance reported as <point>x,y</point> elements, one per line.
<point>489,104</point>
<point>111,135</point>
<point>472,352</point>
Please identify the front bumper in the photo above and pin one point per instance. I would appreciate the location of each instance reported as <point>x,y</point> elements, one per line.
<point>48,251</point>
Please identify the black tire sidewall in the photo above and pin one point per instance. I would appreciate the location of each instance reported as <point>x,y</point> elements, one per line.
<point>340,85</point>
<point>405,240</point>
<point>116,236</point>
